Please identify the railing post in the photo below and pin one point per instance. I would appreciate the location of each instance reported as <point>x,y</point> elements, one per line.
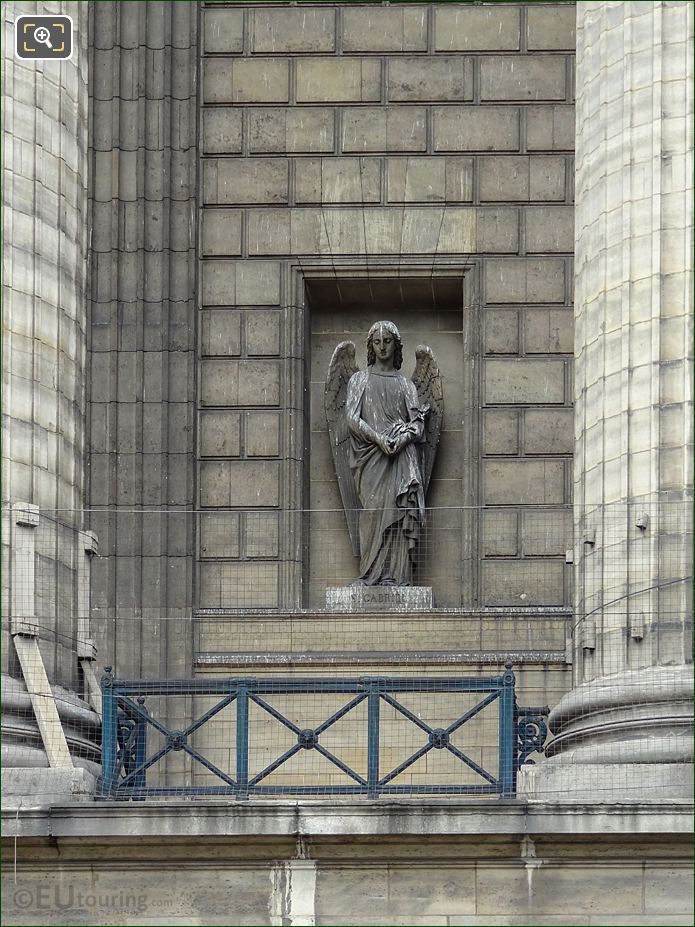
<point>507,734</point>
<point>373,740</point>
<point>242,743</point>
<point>140,779</point>
<point>109,734</point>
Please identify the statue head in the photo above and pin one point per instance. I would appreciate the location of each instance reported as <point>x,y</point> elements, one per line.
<point>393,330</point>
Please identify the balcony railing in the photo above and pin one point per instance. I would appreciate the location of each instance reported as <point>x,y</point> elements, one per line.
<point>232,748</point>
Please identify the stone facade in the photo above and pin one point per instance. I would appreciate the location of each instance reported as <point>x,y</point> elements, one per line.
<point>264,181</point>
<point>430,864</point>
<point>340,143</point>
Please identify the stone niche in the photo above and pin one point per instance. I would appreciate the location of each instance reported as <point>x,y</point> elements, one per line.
<point>426,309</point>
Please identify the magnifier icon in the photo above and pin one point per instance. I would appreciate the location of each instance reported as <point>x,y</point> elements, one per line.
<point>43,35</point>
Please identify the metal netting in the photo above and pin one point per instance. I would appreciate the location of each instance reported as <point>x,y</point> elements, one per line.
<point>590,607</point>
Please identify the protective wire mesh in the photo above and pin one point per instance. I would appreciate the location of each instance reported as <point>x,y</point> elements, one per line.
<point>293,681</point>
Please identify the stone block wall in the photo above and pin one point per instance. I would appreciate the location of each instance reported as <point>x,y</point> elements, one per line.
<point>340,141</point>
<point>447,865</point>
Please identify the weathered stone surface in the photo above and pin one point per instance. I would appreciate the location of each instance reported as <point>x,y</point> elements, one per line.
<point>268,231</point>
<point>523,77</point>
<point>548,431</point>
<point>390,128</point>
<point>472,28</point>
<point>523,482</point>
<point>473,128</point>
<point>501,331</point>
<point>221,130</point>
<point>251,283</point>
<point>510,179</point>
<point>262,434</point>
<point>546,533</point>
<point>231,383</point>
<point>497,230</point>
<point>223,31</point>
<point>338,80</point>
<point>499,534</point>
<point>357,231</point>
<point>296,130</point>
<point>220,332</point>
<point>263,332</point>
<point>375,29</point>
<point>338,180</point>
<point>239,585</point>
<point>518,280</point>
<point>305,29</point>
<point>430,179</point>
<point>261,534</point>
<point>219,434</point>
<point>458,638</point>
<point>515,582</point>
<point>524,381</point>
<point>420,79</point>
<point>221,232</point>
<point>550,128</point>
<point>239,483</point>
<point>671,780</point>
<point>549,229</point>
<point>245,80</point>
<point>378,598</point>
<point>248,180</point>
<point>501,431</point>
<point>36,786</point>
<point>219,535</point>
<point>551,27</point>
<point>548,331</point>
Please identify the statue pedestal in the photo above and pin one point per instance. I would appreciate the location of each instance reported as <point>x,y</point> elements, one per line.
<point>378,598</point>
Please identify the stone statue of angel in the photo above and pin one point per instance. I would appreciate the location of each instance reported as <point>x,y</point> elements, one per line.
<point>384,431</point>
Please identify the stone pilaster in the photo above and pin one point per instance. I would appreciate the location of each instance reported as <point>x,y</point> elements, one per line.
<point>624,730</point>
<point>143,191</point>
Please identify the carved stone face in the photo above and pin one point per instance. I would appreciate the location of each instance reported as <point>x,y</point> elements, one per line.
<point>384,344</point>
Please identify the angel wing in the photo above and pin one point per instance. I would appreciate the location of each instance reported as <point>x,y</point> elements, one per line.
<point>340,369</point>
<point>428,383</point>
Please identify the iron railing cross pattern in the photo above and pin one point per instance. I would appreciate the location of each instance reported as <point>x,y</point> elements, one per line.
<point>125,724</point>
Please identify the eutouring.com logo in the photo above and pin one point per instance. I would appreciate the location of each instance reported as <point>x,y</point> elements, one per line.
<point>43,38</point>
<point>70,898</point>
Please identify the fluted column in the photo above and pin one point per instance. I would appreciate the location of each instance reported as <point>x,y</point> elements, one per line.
<point>624,732</point>
<point>45,254</point>
<point>45,165</point>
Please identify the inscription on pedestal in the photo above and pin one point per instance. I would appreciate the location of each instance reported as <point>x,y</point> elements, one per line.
<point>378,598</point>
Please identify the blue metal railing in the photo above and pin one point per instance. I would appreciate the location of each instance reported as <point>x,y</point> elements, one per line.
<point>126,721</point>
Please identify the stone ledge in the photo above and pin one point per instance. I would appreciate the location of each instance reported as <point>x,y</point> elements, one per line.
<point>417,658</point>
<point>529,631</point>
<point>348,818</point>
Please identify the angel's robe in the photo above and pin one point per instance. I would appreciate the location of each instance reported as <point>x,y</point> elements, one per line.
<point>390,489</point>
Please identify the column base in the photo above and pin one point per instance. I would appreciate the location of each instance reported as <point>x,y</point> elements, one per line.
<point>622,738</point>
<point>27,787</point>
<point>606,782</point>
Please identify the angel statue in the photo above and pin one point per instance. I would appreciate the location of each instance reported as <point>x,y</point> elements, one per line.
<point>384,431</point>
